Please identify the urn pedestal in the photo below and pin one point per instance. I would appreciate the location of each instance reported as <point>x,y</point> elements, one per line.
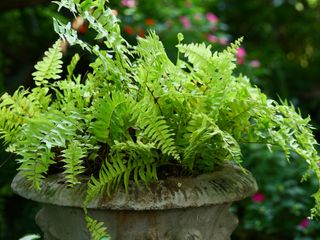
<point>171,209</point>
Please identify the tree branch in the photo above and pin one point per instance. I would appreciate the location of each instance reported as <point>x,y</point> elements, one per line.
<point>6,5</point>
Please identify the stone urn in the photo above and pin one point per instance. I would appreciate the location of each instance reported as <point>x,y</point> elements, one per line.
<point>171,209</point>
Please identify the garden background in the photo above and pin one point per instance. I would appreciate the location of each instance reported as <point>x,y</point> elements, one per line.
<point>280,54</point>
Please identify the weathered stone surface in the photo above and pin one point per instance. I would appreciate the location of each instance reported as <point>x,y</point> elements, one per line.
<point>174,209</point>
<point>198,223</point>
<point>227,184</point>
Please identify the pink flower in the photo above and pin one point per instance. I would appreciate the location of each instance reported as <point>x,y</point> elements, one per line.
<point>255,63</point>
<point>128,3</point>
<point>185,22</point>
<point>304,223</point>
<point>212,17</point>
<point>258,197</point>
<point>241,54</point>
<point>212,38</point>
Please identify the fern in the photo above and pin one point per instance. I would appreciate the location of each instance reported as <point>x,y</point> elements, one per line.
<point>159,133</point>
<point>72,156</point>
<point>203,137</point>
<point>137,111</point>
<point>154,127</point>
<point>36,141</point>
<point>75,59</point>
<point>96,228</point>
<point>50,66</point>
<point>198,54</point>
<point>141,160</point>
<point>110,174</point>
<point>17,109</point>
<point>104,112</point>
<point>126,159</point>
<point>210,68</point>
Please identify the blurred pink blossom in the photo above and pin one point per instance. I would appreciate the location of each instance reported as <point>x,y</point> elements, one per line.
<point>185,22</point>
<point>255,63</point>
<point>212,38</point>
<point>304,223</point>
<point>258,197</point>
<point>241,54</point>
<point>128,3</point>
<point>212,17</point>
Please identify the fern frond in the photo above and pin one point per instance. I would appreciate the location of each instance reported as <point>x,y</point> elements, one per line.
<point>158,132</point>
<point>75,59</point>
<point>67,33</point>
<point>104,112</point>
<point>68,4</point>
<point>198,54</point>
<point>199,134</point>
<point>71,95</point>
<point>154,127</point>
<point>17,109</point>
<point>208,69</point>
<point>97,229</point>
<point>233,48</point>
<point>205,138</point>
<point>50,66</point>
<point>140,160</point>
<point>37,139</point>
<point>73,155</point>
<point>110,175</point>
<point>126,159</point>
<point>152,52</point>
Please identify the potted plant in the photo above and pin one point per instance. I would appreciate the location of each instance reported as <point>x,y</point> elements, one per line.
<point>148,134</point>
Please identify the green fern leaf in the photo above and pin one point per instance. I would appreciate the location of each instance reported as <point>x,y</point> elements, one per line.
<point>104,112</point>
<point>154,127</point>
<point>110,174</point>
<point>73,155</point>
<point>75,59</point>
<point>17,109</point>
<point>97,229</point>
<point>126,159</point>
<point>37,139</point>
<point>203,137</point>
<point>198,54</point>
<point>159,133</point>
<point>233,48</point>
<point>50,66</point>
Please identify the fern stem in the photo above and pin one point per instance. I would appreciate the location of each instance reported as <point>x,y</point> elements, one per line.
<point>154,99</point>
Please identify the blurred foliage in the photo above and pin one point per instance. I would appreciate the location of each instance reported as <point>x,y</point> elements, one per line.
<point>280,209</point>
<point>285,36</point>
<point>171,17</point>
<point>281,54</point>
<point>26,33</point>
